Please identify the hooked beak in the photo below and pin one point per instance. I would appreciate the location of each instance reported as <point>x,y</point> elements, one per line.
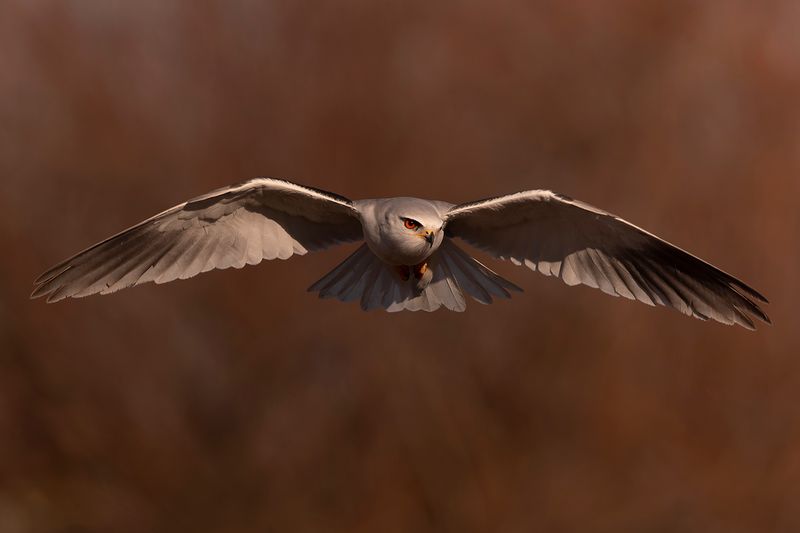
<point>429,235</point>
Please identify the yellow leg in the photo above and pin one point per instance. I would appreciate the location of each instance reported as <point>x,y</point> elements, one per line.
<point>420,269</point>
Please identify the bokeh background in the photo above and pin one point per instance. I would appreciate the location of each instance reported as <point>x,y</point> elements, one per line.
<point>237,402</point>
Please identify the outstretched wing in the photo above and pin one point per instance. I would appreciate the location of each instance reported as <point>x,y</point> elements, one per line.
<point>581,244</point>
<point>260,219</point>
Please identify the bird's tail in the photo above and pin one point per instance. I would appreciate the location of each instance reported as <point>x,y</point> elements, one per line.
<point>450,274</point>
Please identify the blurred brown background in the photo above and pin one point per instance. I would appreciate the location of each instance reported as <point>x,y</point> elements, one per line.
<point>237,402</point>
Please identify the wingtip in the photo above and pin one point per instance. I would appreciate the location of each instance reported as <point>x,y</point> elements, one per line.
<point>50,294</point>
<point>750,291</point>
<point>43,277</point>
<point>758,296</point>
<point>761,315</point>
<point>750,324</point>
<point>37,291</point>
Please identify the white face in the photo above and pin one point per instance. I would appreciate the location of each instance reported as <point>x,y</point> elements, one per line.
<point>411,236</point>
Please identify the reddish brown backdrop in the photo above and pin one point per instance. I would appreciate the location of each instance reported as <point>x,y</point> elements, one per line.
<point>237,402</point>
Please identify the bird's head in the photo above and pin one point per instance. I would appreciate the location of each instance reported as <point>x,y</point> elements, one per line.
<point>413,228</point>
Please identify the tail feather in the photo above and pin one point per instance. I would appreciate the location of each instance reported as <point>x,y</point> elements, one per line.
<point>346,275</point>
<point>477,273</point>
<point>451,274</point>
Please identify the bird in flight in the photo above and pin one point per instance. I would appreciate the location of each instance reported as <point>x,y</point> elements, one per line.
<point>409,259</point>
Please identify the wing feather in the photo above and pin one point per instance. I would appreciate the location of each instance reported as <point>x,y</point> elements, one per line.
<point>243,224</point>
<point>582,244</point>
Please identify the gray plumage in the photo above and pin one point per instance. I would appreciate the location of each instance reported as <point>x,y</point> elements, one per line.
<point>409,260</point>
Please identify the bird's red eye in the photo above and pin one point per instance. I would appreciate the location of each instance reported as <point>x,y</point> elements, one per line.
<point>410,224</point>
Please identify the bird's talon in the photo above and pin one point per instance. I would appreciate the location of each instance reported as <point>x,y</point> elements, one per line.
<point>420,269</point>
